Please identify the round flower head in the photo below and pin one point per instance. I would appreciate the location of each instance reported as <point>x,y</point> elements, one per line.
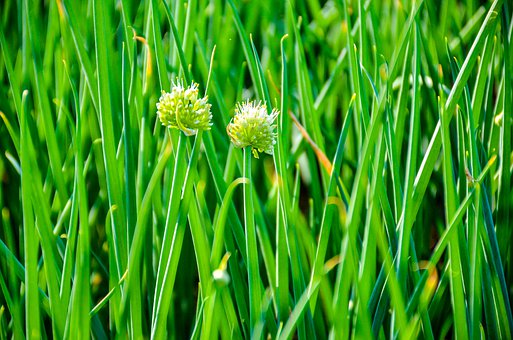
<point>253,126</point>
<point>221,277</point>
<point>183,109</point>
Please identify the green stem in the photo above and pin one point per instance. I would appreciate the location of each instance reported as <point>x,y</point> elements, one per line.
<point>170,234</point>
<point>32,322</point>
<point>255,295</point>
<point>179,212</point>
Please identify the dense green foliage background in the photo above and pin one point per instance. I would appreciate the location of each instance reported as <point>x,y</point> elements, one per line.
<point>385,212</point>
